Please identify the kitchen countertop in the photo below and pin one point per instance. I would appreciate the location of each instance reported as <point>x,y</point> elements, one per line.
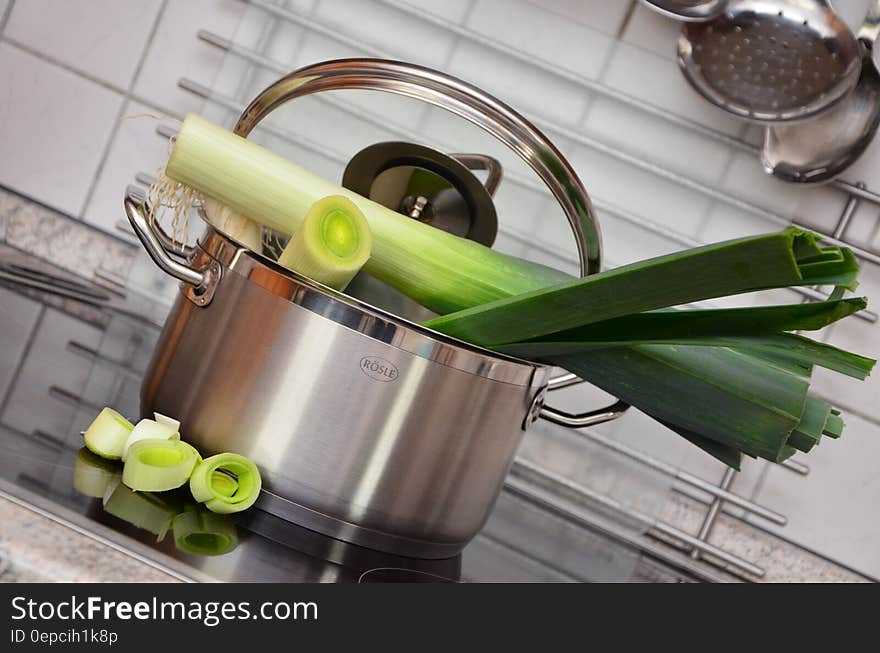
<point>35,548</point>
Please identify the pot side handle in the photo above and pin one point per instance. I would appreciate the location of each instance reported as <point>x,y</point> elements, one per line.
<point>201,282</point>
<point>578,420</point>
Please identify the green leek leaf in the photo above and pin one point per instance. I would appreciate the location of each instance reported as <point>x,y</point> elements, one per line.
<point>788,258</point>
<point>809,430</point>
<point>790,351</point>
<point>668,325</point>
<point>714,392</point>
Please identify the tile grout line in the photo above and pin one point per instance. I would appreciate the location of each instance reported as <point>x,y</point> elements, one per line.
<point>83,75</point>
<point>126,101</point>
<point>267,32</point>
<point>61,64</point>
<point>425,109</point>
<point>4,19</point>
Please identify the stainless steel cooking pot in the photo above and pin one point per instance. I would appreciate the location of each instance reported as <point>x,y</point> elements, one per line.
<point>366,427</point>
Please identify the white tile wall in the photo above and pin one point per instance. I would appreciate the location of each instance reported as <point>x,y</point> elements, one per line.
<point>54,126</point>
<point>833,510</point>
<point>102,38</point>
<point>649,30</point>
<point>602,15</point>
<point>136,148</point>
<point>529,89</point>
<point>176,52</point>
<point>864,228</point>
<point>726,222</point>
<point>639,192</point>
<point>547,36</point>
<point>454,10</point>
<point>388,29</point>
<point>653,139</point>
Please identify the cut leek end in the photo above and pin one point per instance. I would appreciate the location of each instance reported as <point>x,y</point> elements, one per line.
<point>157,465</point>
<point>107,434</point>
<point>332,245</point>
<point>204,533</point>
<point>208,486</point>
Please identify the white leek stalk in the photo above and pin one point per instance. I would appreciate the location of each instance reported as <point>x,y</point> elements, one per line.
<point>239,228</point>
<point>442,272</point>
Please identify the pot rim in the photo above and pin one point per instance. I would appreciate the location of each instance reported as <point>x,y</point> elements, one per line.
<point>357,315</point>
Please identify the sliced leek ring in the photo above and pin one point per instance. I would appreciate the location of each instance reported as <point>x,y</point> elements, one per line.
<point>148,429</point>
<point>157,465</point>
<point>142,509</point>
<point>207,486</point>
<point>92,475</point>
<point>202,532</point>
<point>107,434</point>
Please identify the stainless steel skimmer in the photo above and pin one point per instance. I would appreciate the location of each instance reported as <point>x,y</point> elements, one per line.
<point>688,10</point>
<point>771,60</point>
<point>820,148</point>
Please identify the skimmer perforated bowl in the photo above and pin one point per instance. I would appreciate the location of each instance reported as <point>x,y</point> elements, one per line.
<point>771,60</point>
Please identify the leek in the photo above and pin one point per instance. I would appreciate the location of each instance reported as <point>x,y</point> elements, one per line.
<point>148,429</point>
<point>714,392</point>
<point>223,483</point>
<point>201,532</point>
<point>159,465</point>
<point>92,474</point>
<point>440,271</point>
<point>142,509</point>
<point>792,352</point>
<point>239,228</point>
<point>205,488</point>
<point>107,434</point>
<point>670,325</point>
<point>332,244</point>
<point>168,421</point>
<point>787,258</point>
